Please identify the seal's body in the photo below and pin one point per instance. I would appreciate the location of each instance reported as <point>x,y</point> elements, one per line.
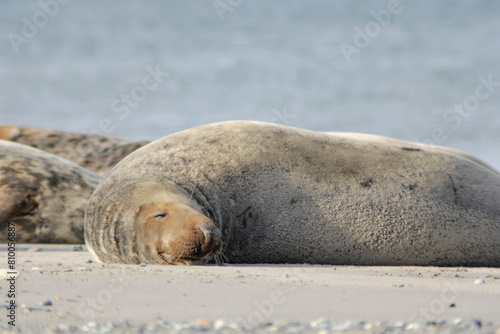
<point>94,152</point>
<point>42,195</point>
<point>265,193</point>
<point>381,139</point>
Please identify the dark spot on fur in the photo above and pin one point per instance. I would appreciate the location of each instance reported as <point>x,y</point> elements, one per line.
<point>350,172</point>
<point>455,190</point>
<point>293,201</point>
<point>245,215</point>
<point>411,149</point>
<point>366,183</point>
<point>410,186</point>
<point>212,141</point>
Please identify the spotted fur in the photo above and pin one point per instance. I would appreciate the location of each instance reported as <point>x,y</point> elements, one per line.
<point>94,152</point>
<point>42,195</point>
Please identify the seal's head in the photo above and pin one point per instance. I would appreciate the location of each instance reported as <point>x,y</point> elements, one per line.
<point>152,221</point>
<point>173,230</point>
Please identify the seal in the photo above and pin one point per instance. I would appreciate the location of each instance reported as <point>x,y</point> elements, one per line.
<point>94,152</point>
<point>42,196</point>
<point>269,193</point>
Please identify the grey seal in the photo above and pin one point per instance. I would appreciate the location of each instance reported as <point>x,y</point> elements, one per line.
<point>42,196</point>
<point>253,192</point>
<point>94,152</point>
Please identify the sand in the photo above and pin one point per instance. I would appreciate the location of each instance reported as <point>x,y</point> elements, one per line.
<point>58,284</point>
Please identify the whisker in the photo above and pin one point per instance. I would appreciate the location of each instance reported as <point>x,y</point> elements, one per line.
<point>165,193</point>
<point>192,192</point>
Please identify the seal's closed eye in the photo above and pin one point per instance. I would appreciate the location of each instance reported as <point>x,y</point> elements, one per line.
<point>162,214</point>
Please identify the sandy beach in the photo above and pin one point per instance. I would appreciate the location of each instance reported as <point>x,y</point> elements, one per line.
<point>60,286</point>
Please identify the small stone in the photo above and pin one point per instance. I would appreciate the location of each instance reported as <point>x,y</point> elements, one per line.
<point>142,264</point>
<point>479,281</point>
<point>83,269</point>
<point>92,324</point>
<point>294,330</point>
<point>219,324</point>
<point>400,324</point>
<point>368,326</point>
<point>203,322</point>
<point>321,323</point>
<point>63,327</point>
<point>452,305</point>
<point>89,261</point>
<point>344,327</point>
<point>45,303</point>
<point>152,327</point>
<point>414,326</point>
<point>78,248</point>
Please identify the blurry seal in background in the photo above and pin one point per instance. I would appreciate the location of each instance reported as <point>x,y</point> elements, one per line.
<point>96,153</point>
<point>43,195</point>
<point>264,193</point>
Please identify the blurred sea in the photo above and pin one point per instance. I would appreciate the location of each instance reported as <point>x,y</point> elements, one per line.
<point>415,70</point>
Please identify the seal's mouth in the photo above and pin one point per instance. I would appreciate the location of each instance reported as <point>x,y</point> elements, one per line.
<point>205,246</point>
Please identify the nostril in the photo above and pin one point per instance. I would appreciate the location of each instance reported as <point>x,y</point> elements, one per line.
<point>207,230</point>
<point>211,236</point>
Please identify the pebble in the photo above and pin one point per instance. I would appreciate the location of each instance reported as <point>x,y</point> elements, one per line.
<point>219,324</point>
<point>479,281</point>
<point>45,303</point>
<point>203,322</point>
<point>322,325</point>
<point>142,264</point>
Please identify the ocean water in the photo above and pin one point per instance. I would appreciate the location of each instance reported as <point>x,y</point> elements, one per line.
<point>425,71</point>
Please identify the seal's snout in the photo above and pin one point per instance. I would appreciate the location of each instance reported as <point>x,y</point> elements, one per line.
<point>211,239</point>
